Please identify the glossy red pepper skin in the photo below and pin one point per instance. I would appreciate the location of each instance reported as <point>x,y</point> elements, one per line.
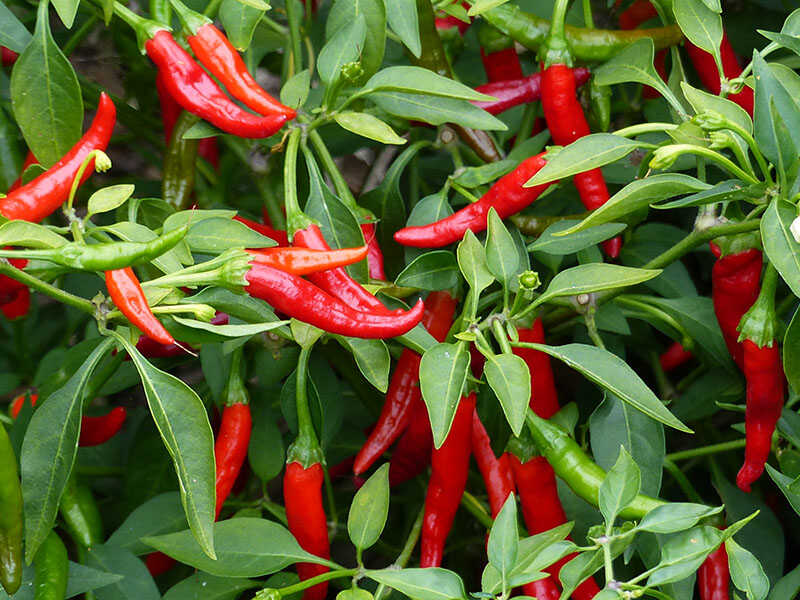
<point>567,123</point>
<point>197,92</point>
<point>496,472</point>
<point>374,254</point>
<point>302,261</point>
<point>218,55</point>
<point>707,71</point>
<point>412,453</point>
<point>128,296</point>
<point>766,388</point>
<point>42,196</point>
<point>404,391</point>
<point>302,493</point>
<point>674,356</point>
<point>336,281</point>
<point>544,397</point>
<point>230,449</point>
<point>735,283</point>
<point>636,14</point>
<point>170,111</point>
<point>30,159</point>
<point>302,300</point>
<point>713,576</point>
<point>9,57</point>
<point>506,196</point>
<point>513,92</point>
<point>449,467</point>
<point>502,65</point>
<point>277,235</point>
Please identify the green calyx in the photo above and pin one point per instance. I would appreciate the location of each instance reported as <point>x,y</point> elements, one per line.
<point>760,323</point>
<point>191,20</point>
<point>235,391</point>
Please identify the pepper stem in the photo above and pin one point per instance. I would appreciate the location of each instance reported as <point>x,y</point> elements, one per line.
<point>191,20</point>
<point>305,448</point>
<point>760,323</point>
<point>556,49</point>
<point>235,392</point>
<point>145,29</point>
<point>295,219</point>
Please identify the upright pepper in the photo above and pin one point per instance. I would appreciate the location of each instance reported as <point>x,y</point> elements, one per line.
<point>127,294</point>
<point>449,467</point>
<point>766,384</point>
<point>513,92</point>
<point>50,569</point>
<point>404,392</point>
<point>564,115</point>
<point>42,196</point>
<point>302,487</point>
<point>10,517</point>
<point>734,289</point>
<point>230,449</point>
<point>706,69</point>
<point>506,196</point>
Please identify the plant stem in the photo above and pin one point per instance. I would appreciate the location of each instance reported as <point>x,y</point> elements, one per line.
<point>294,36</point>
<point>682,481</point>
<point>312,581</point>
<point>82,304</point>
<point>705,450</point>
<point>408,548</point>
<point>477,510</point>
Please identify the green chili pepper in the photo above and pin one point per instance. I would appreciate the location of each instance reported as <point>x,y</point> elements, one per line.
<point>50,569</point>
<point>577,470</point>
<point>81,515</point>
<point>178,178</point>
<point>161,11</point>
<point>599,106</point>
<point>491,39</point>
<point>593,45</point>
<point>10,517</point>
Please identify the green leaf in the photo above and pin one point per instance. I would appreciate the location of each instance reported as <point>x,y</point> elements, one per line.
<point>136,584</point>
<point>181,420</point>
<point>779,243</point>
<point>344,12</point>
<point>436,110</point>
<point>369,509</point>
<point>246,547</point>
<point>770,90</point>
<point>472,177</point>
<point>701,101</point>
<point>501,255</point>
<point>684,553</point>
<point>404,22</point>
<point>421,584</point>
<point>746,572</point>
<point>589,152</point>
<point>416,80</point>
<point>701,25</point>
<point>215,235</point>
<point>442,374</point>
<point>13,34</point>
<point>240,20</point>
<point>295,91</point>
<point>29,235</point>
<point>787,586</point>
<point>724,191</point>
<point>230,331</point>
<point>557,245</point>
<point>620,486</point>
<point>372,358</point>
<point>45,95</point>
<point>66,9</point>
<point>109,198</point>
<point>472,263</point>
<point>783,482</point>
<point>639,194</point>
<point>343,47</point>
<point>503,542</point>
<point>81,579</point>
<point>510,379</point>
<point>369,126</point>
<point>49,450</point>
<point>209,587</point>
<point>614,375</point>
<point>265,453</point>
<point>676,516</point>
<point>593,277</point>
<point>435,270</point>
<point>791,352</point>
<point>158,515</point>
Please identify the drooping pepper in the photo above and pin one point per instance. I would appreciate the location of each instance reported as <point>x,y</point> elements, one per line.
<point>412,453</point>
<point>374,253</point>
<point>513,92</point>
<point>506,196</point>
<point>449,467</point>
<point>80,514</point>
<point>15,297</point>
<point>9,57</point>
<point>706,69</point>
<point>633,16</point>
<point>42,196</point>
<point>30,159</point>
<point>302,487</point>
<point>404,392</point>
<point>10,517</point>
<point>544,397</point>
<point>180,158</point>
<point>302,261</point>
<point>496,472</point>
<point>766,384</point>
<point>304,301</point>
<point>674,356</point>
<point>713,576</point>
<point>127,294</point>
<point>50,569</point>
<point>230,449</point>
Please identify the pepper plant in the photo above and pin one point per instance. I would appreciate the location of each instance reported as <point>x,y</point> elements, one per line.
<point>308,258</point>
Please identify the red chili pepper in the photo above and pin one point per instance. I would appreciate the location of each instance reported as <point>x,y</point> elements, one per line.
<point>94,430</point>
<point>302,493</point>
<point>506,196</point>
<point>304,301</point>
<point>9,56</point>
<point>636,14</point>
<point>30,159</point>
<point>513,92</point>
<point>404,391</point>
<point>544,397</point>
<point>734,289</point>
<point>170,111</point>
<point>15,298</point>
<point>336,281</point>
<point>449,467</point>
<point>374,254</point>
<point>158,563</point>
<point>674,356</point>
<point>496,472</point>
<point>713,576</point>
<point>302,261</point>
<point>412,453</point>
<point>707,71</point>
<point>450,21</point>
<point>567,123</point>
<point>502,65</point>
<point>266,230</point>
<point>127,294</point>
<point>198,93</point>
<point>41,197</point>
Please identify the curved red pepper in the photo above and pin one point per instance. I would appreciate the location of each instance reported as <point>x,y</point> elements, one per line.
<point>41,197</point>
<point>412,453</point>
<point>404,392</point>
<point>513,92</point>
<point>449,467</point>
<point>713,576</point>
<point>496,472</point>
<point>198,93</point>
<point>302,300</point>
<point>30,159</point>
<point>230,449</point>
<point>302,493</point>
<point>506,196</point>
<point>707,71</point>
<point>128,296</point>
<point>302,261</point>
<point>674,356</point>
<point>374,253</point>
